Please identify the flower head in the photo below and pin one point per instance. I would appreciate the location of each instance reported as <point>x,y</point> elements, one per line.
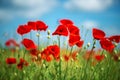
<point>23,29</point>
<point>11,60</point>
<point>98,34</point>
<point>29,44</point>
<point>61,30</point>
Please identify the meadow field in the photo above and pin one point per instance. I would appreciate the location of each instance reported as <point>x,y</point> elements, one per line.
<point>53,60</point>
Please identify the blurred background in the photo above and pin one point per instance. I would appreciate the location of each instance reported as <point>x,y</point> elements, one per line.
<point>86,14</point>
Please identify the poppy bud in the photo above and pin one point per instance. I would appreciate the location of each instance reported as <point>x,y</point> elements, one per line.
<point>94,46</point>
<point>88,44</point>
<point>94,42</point>
<point>115,44</point>
<point>102,69</point>
<point>48,32</point>
<point>106,55</point>
<point>15,74</point>
<point>24,72</point>
<point>44,65</point>
<point>37,34</point>
<point>119,58</point>
<point>39,55</point>
<point>115,51</point>
<point>48,36</point>
<point>42,49</point>
<point>61,59</point>
<point>92,68</point>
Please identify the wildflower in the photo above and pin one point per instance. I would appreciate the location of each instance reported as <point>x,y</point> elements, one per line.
<point>73,39</point>
<point>29,44</point>
<point>65,21</point>
<point>40,25</point>
<point>99,57</point>
<point>11,60</point>
<point>32,25</point>
<point>22,63</point>
<point>11,42</point>
<point>107,45</point>
<point>80,43</point>
<point>98,34</point>
<point>23,29</point>
<point>115,38</point>
<point>61,30</point>
<point>66,57</point>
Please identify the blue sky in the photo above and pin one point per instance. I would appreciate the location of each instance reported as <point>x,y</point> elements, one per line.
<point>103,14</point>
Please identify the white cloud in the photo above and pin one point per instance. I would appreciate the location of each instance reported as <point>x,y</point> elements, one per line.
<point>88,5</point>
<point>28,8</point>
<point>90,24</point>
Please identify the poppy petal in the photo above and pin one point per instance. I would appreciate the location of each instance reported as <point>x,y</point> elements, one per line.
<point>98,34</point>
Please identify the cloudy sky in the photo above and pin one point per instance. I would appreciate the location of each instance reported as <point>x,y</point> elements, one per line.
<point>103,14</point>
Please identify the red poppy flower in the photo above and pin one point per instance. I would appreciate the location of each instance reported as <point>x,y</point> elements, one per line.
<point>98,34</point>
<point>74,30</point>
<point>65,21</point>
<point>22,63</point>
<point>66,57</point>
<point>23,29</point>
<point>80,43</point>
<point>32,25</point>
<point>11,60</point>
<point>40,25</point>
<point>99,57</point>
<point>48,58</point>
<point>74,55</point>
<point>73,39</point>
<point>61,30</point>
<point>11,42</point>
<point>45,53</point>
<point>34,52</point>
<point>115,38</point>
<point>107,45</point>
<point>29,44</point>
<point>54,50</point>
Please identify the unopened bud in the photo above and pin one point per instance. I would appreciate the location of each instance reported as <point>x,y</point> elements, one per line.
<point>39,55</point>
<point>42,49</point>
<point>94,46</point>
<point>102,69</point>
<point>106,55</point>
<point>37,34</point>
<point>44,65</point>
<point>15,74</point>
<point>48,36</point>
<point>88,44</point>
<point>24,71</point>
<point>118,58</point>
<point>48,32</point>
<point>115,51</point>
<point>115,44</point>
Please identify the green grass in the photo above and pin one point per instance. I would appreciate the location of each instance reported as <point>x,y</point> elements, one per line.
<point>81,69</point>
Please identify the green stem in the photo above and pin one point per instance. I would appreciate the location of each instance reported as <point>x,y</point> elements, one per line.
<point>38,40</point>
<point>60,59</point>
